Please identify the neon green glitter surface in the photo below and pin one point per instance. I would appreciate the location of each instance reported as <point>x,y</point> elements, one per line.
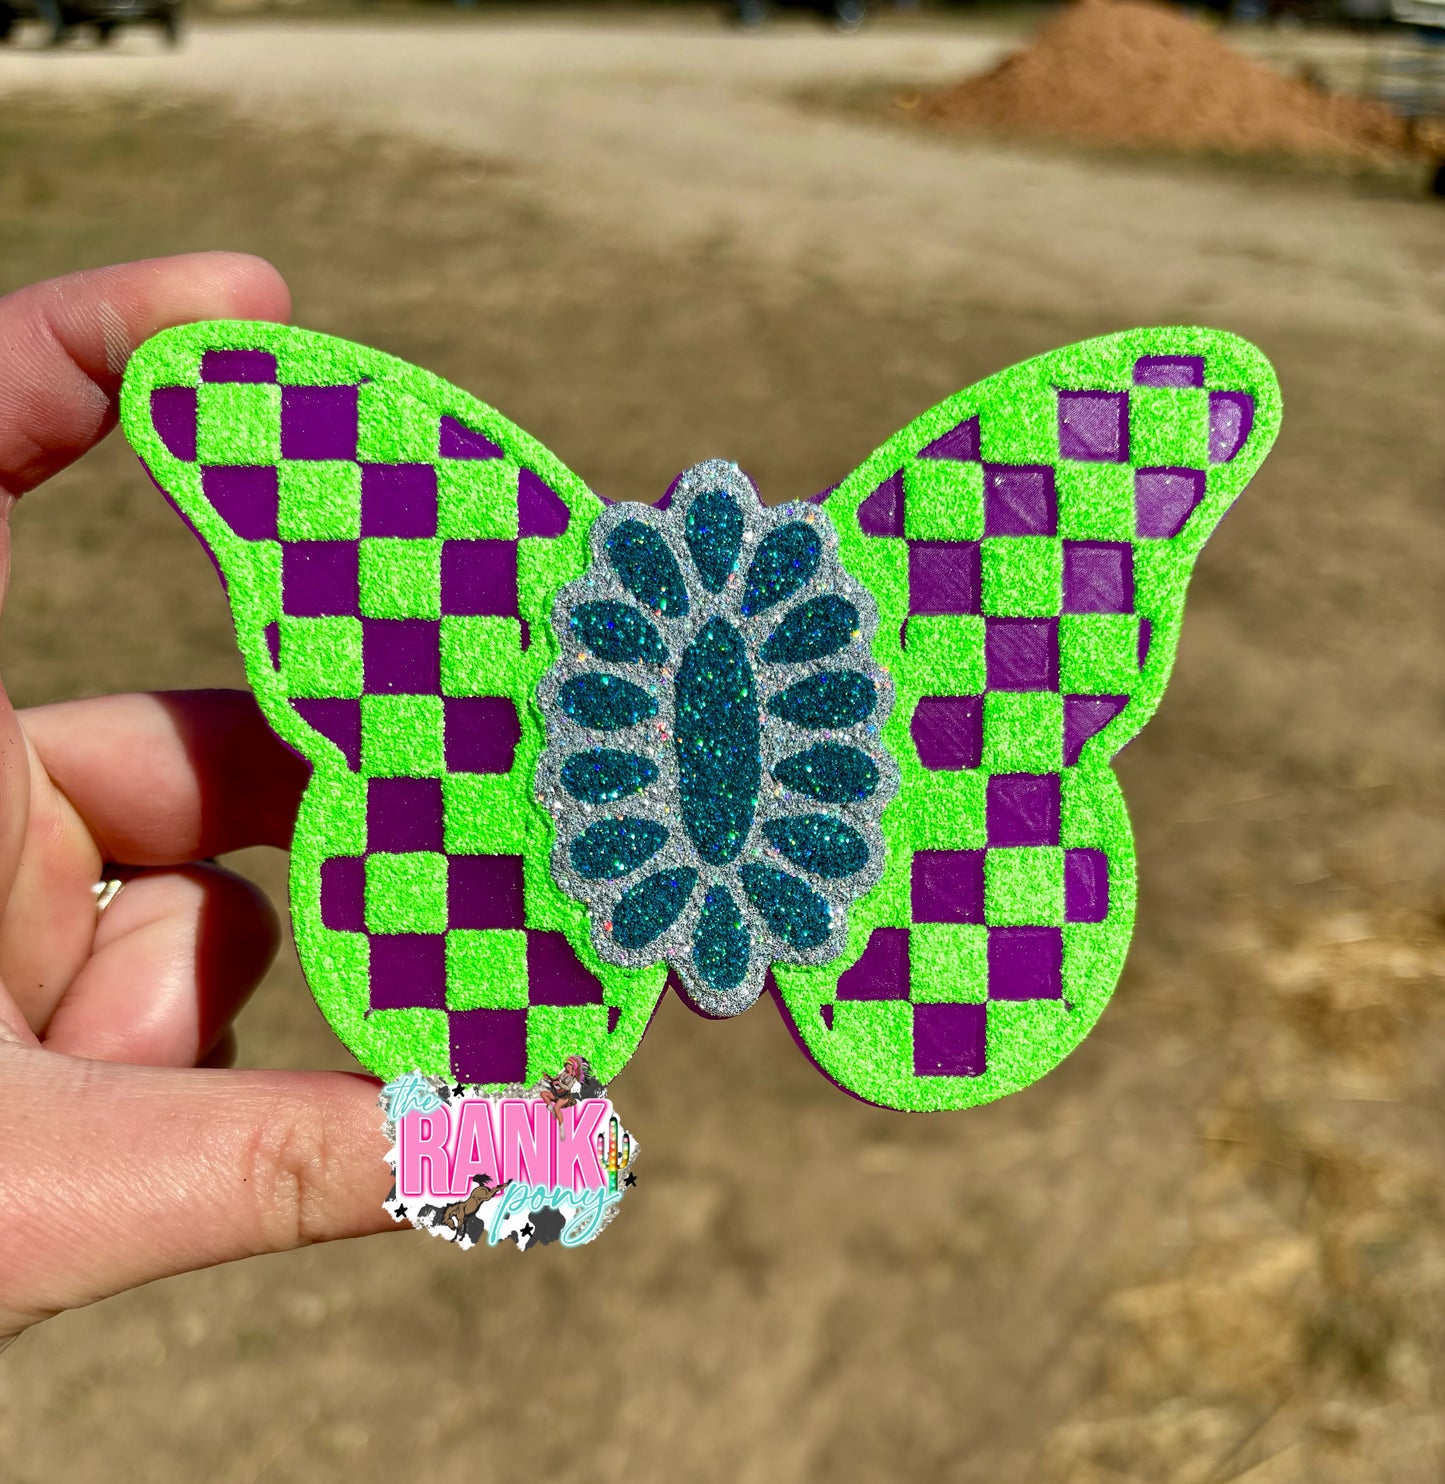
<point>871,1046</point>
<point>392,550</point>
<point>453,971</point>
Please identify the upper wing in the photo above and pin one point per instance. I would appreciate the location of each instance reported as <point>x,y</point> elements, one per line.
<point>1029,542</point>
<point>391,549</point>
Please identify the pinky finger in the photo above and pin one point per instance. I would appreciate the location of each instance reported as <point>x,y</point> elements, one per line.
<point>176,955</point>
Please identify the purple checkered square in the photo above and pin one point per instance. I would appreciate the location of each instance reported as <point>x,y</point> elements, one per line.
<point>950,1040</point>
<point>881,972</point>
<point>408,971</point>
<point>948,731</point>
<point>1024,809</point>
<point>404,814</point>
<point>1085,717</point>
<point>541,511</point>
<point>337,720</point>
<point>458,442</point>
<point>1019,500</point>
<point>1086,886</point>
<point>1164,499</point>
<point>947,885</point>
<point>1026,963</point>
<point>944,577</point>
<point>485,891</point>
<point>173,414</point>
<point>881,514</point>
<point>482,733</point>
<point>319,578</point>
<point>1094,426</point>
<point>479,577</point>
<point>343,894</point>
<point>401,656</point>
<point>488,1045</point>
<point>1178,371</point>
<point>556,976</point>
<point>1098,577</point>
<point>1231,420</point>
<point>238,365</point>
<point>961,443</point>
<point>398,500</point>
<point>245,496</point>
<point>1021,653</point>
<point>318,422</point>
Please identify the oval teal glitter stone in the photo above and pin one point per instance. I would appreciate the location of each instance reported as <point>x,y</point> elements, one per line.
<point>832,698</point>
<point>651,907</point>
<point>602,775</point>
<point>605,703</point>
<point>714,534</point>
<point>613,847</point>
<point>819,843</point>
<point>720,946</point>
<point>647,569</point>
<point>785,561</point>
<point>819,627</point>
<point>715,725</point>
<point>617,631</point>
<point>830,773</point>
<point>793,910</point>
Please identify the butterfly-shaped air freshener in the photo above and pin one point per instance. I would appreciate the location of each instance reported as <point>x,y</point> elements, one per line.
<point>854,750</point>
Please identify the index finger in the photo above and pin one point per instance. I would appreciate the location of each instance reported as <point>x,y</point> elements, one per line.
<point>64,345</point>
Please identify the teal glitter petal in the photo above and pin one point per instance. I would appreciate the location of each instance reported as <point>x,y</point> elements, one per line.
<point>617,631</point>
<point>830,773</point>
<point>819,627</point>
<point>605,702</point>
<point>832,698</point>
<point>719,763</point>
<point>792,910</point>
<point>602,775</point>
<point>720,941</point>
<point>819,843</point>
<point>647,569</point>
<point>651,907</point>
<point>786,560</point>
<point>714,535</point>
<point>613,847</point>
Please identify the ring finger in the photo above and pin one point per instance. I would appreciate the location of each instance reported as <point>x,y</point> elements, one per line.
<point>177,952</point>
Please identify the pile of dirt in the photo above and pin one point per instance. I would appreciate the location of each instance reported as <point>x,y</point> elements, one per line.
<point>1133,73</point>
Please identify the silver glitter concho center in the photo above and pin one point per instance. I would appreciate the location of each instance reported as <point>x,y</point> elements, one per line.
<point>714,761</point>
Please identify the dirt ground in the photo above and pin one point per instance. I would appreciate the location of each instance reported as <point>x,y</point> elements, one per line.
<point>1210,1247</point>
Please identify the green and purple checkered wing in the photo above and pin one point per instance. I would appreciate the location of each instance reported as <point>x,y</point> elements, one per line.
<point>1028,543</point>
<point>391,549</point>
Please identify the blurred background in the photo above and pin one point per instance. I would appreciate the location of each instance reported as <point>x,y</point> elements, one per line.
<point>1211,1247</point>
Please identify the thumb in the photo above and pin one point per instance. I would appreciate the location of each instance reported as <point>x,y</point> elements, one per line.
<point>115,1175</point>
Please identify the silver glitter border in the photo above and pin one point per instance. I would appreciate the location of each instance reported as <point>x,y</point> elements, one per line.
<point>653,738</point>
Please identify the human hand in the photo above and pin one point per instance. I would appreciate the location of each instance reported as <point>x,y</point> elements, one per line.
<point>114,1025</point>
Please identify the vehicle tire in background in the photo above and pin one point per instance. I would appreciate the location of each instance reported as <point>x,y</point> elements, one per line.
<point>750,13</point>
<point>848,15</point>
